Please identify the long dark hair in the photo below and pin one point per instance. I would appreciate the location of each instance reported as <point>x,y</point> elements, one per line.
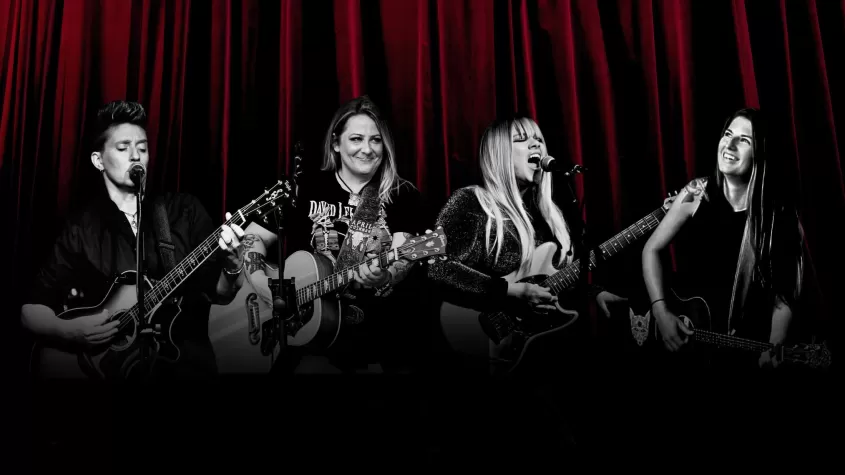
<point>774,230</point>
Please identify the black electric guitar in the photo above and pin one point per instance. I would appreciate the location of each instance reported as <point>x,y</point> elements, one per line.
<point>695,314</point>
<point>124,357</point>
<point>505,338</point>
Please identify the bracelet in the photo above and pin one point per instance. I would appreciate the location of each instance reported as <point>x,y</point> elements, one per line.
<point>384,289</point>
<point>658,300</point>
<point>243,263</point>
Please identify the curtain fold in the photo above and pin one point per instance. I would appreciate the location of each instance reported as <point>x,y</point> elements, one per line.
<point>635,90</point>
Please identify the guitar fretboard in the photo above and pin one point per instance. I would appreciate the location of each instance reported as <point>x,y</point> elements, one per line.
<point>730,341</point>
<point>568,276</point>
<point>339,279</point>
<point>166,286</point>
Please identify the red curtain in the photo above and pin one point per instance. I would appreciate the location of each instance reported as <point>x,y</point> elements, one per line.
<point>635,90</point>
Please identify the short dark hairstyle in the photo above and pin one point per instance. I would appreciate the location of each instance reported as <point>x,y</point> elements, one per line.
<point>116,113</point>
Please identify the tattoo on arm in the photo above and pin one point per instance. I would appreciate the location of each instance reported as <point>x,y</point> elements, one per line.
<point>248,241</point>
<point>255,262</point>
<point>695,189</point>
<point>401,267</point>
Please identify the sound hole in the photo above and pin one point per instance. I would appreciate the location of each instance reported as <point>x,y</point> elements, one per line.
<point>126,335</point>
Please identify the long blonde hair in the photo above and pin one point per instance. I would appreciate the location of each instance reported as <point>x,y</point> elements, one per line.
<point>500,197</point>
<point>362,105</point>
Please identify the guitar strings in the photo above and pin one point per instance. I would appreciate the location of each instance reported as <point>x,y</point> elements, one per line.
<point>712,337</point>
<point>561,280</point>
<point>194,256</point>
<point>301,294</point>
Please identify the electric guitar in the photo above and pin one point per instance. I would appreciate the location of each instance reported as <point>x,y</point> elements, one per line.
<point>132,353</point>
<point>695,314</point>
<point>504,337</point>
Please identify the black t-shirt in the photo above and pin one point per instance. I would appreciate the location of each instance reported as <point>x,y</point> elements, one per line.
<point>324,209</point>
<point>708,255</point>
<point>391,330</point>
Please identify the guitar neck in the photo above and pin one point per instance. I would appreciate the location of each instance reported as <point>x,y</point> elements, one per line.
<point>730,341</point>
<point>166,286</point>
<point>337,280</point>
<point>569,275</point>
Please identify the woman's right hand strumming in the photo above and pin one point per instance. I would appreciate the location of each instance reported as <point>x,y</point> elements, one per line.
<point>672,330</point>
<point>539,299</point>
<point>91,330</point>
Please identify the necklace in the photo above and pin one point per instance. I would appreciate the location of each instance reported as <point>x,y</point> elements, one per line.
<point>133,220</point>
<point>354,198</point>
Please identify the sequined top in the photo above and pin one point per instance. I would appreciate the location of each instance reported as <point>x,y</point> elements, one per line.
<point>472,277</point>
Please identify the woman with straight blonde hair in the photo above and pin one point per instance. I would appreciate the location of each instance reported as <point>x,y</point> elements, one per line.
<point>493,229</point>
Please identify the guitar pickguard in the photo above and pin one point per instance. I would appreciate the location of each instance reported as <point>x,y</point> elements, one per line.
<point>124,358</point>
<point>306,312</point>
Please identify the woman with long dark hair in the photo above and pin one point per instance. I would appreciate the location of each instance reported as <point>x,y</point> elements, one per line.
<point>739,247</point>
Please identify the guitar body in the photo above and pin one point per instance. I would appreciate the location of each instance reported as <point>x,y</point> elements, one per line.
<point>236,332</point>
<point>243,332</point>
<point>465,328</point>
<point>695,314</point>
<point>121,358</point>
<point>138,350</point>
<point>318,322</point>
<point>505,338</point>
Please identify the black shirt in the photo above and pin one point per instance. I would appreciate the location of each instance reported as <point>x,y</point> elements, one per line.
<point>324,210</point>
<point>97,244</point>
<point>708,255</point>
<point>392,327</point>
<point>473,277</point>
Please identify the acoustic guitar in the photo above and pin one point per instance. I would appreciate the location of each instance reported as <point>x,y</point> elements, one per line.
<point>130,354</point>
<point>240,331</point>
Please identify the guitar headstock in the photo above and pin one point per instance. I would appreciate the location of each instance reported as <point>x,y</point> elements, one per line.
<point>430,245</point>
<point>297,166</point>
<point>814,355</point>
<point>667,203</point>
<point>276,196</point>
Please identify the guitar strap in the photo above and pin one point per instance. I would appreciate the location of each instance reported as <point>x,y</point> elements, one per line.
<point>361,237</point>
<point>162,231</point>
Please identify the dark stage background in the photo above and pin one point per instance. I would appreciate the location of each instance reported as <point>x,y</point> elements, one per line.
<point>637,91</point>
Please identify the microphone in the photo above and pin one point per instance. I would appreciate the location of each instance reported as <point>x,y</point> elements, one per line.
<point>137,173</point>
<point>551,164</point>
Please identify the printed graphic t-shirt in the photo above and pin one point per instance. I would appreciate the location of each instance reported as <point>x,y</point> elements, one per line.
<point>324,210</point>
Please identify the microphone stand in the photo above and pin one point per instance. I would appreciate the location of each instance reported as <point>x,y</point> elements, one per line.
<point>284,305</point>
<point>585,244</point>
<point>144,330</point>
